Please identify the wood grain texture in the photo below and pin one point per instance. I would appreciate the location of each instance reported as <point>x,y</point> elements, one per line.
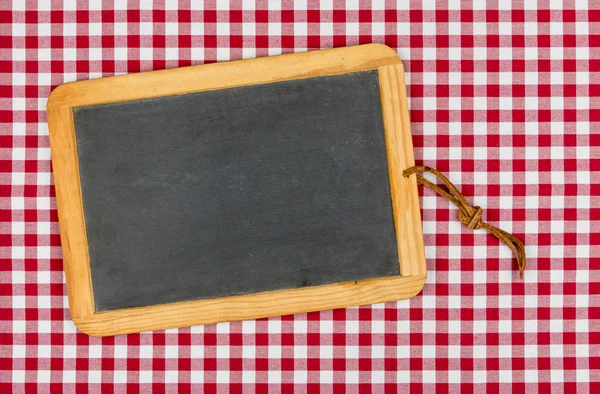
<point>223,75</point>
<point>70,210</point>
<point>251,306</point>
<point>405,197</point>
<point>218,76</point>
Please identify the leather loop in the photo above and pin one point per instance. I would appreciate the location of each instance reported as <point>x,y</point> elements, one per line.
<point>472,221</point>
<point>468,215</point>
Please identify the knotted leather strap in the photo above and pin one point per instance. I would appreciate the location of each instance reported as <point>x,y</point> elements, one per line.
<point>468,215</point>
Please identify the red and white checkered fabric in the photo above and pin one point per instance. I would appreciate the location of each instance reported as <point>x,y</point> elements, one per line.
<point>506,101</point>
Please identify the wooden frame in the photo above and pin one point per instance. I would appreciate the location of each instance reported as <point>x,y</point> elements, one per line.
<point>218,76</point>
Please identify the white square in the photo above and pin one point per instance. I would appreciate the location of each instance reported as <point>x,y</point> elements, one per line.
<point>300,351</point>
<point>120,54</point>
<point>582,326</point>
<point>557,103</point>
<point>18,79</point>
<point>505,376</point>
<point>197,351</point>
<point>326,377</point>
<point>95,54</point>
<point>556,53</point>
<point>223,328</point>
<point>352,377</point>
<point>402,29</point>
<point>18,277</point>
<point>248,327</point>
<point>557,202</point>
<point>18,252</point>
<point>145,377</point>
<point>172,351</point>
<point>352,351</point>
<point>274,29</point>
<point>326,326</point>
<point>18,29</point>
<point>43,376</point>
<point>454,54</point>
<point>300,376</point>
<point>352,327</point>
<point>222,376</point>
<point>454,103</point>
<point>479,377</point>
<point>146,54</point>
<point>43,302</point>
<point>171,53</point>
<point>198,28</point>
<point>402,351</point>
<point>326,29</point>
<point>95,351</point>
<point>325,352</point>
<point>69,376</point>
<point>95,29</point>
<point>222,28</point>
<point>70,54</point>
<point>453,327</point>
<point>274,351</point>
<point>18,327</point>
<point>248,351</point>
<point>120,351</point>
<point>428,351</point>
<point>146,351</point>
<point>44,326</point>
<point>504,326</point>
<point>198,376</point>
<point>69,351</point>
<point>556,28</point>
<point>403,376</point>
<point>429,54</point>
<point>429,327</point>
<point>453,28</point>
<point>479,53</point>
<point>582,376</point>
<point>44,30</point>
<point>480,103</point>
<point>556,351</point>
<point>479,29</point>
<point>505,28</point>
<point>173,376</point>
<point>326,5</point>
<point>453,351</point>
<point>18,104</point>
<point>301,29</point>
<point>146,28</point>
<point>19,351</point>
<point>556,78</point>
<point>247,376</point>
<point>18,128</point>
<point>377,28</point>
<point>530,29</point>
<point>69,29</point>
<point>556,325</point>
<point>531,376</point>
<point>171,28</point>
<point>274,377</point>
<point>18,228</point>
<point>18,54</point>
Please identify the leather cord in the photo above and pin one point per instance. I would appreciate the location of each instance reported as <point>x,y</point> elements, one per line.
<point>469,215</point>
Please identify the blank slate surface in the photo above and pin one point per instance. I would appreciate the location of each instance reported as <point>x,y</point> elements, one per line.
<point>235,191</point>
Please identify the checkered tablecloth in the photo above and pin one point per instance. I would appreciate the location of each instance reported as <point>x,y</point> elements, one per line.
<point>505,101</point>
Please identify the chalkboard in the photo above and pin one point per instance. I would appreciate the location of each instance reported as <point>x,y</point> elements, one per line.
<point>236,190</point>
